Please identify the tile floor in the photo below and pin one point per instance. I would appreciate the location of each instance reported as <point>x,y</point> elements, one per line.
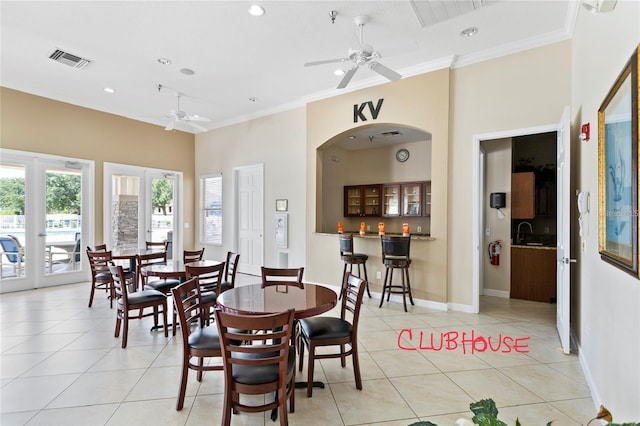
<point>61,365</point>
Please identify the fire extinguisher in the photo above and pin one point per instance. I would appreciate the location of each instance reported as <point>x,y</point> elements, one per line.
<point>494,252</point>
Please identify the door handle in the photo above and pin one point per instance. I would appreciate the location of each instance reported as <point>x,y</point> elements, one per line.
<point>42,235</point>
<point>566,260</point>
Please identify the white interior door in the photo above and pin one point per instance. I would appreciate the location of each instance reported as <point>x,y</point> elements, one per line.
<point>249,217</point>
<point>563,307</point>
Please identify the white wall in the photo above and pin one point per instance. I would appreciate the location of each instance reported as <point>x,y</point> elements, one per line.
<point>607,300</point>
<point>278,142</point>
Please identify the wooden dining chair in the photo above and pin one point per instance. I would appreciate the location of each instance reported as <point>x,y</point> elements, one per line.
<point>209,281</point>
<point>282,276</point>
<point>99,247</point>
<point>156,245</point>
<point>127,301</point>
<point>199,341</point>
<point>163,285</point>
<point>230,270</point>
<point>331,331</point>
<point>192,255</point>
<point>100,275</point>
<point>265,363</point>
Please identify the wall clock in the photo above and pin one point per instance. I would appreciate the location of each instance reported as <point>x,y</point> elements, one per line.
<point>402,155</point>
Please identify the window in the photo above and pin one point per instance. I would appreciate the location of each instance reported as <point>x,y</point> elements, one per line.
<point>211,217</point>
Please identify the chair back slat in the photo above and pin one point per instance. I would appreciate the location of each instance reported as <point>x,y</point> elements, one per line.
<point>192,255</point>
<point>209,277</point>
<point>282,276</point>
<point>352,293</point>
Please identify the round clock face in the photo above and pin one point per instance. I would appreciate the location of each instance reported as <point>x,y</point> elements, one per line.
<point>402,155</point>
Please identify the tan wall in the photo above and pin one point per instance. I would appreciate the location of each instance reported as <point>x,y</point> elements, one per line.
<point>422,102</point>
<point>605,300</point>
<point>36,124</point>
<point>518,91</point>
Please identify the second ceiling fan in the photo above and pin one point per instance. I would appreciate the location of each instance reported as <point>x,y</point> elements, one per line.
<point>365,55</point>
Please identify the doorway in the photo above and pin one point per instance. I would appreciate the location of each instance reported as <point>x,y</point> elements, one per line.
<point>562,230</point>
<point>44,200</point>
<point>249,221</point>
<point>142,204</point>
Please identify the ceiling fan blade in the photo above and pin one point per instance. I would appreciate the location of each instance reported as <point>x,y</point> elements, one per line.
<point>384,71</point>
<point>197,118</point>
<point>347,78</point>
<point>326,61</point>
<point>172,124</point>
<point>197,126</point>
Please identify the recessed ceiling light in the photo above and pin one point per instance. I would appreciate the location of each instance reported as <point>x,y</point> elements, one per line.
<point>338,72</point>
<point>109,90</point>
<point>187,71</point>
<point>469,32</point>
<point>253,99</point>
<point>256,10</point>
<point>164,61</point>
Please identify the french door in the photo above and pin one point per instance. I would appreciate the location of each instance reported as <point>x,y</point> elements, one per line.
<point>46,205</point>
<point>142,204</point>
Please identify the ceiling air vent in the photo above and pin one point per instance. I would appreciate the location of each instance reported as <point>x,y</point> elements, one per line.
<point>392,133</point>
<point>69,59</point>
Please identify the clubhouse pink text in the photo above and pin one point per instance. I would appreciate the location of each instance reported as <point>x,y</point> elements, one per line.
<point>461,341</point>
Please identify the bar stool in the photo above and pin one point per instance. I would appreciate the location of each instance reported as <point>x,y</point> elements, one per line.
<point>350,258</point>
<point>395,255</point>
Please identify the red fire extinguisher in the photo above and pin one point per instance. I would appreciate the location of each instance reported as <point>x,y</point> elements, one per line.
<point>494,252</point>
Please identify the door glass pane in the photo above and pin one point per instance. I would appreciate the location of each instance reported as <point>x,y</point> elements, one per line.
<point>12,220</point>
<point>125,199</point>
<point>63,220</point>
<point>162,210</point>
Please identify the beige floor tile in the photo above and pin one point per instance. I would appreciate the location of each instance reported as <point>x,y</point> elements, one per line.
<point>161,383</point>
<point>395,363</point>
<point>75,416</point>
<point>128,358</point>
<point>44,343</point>
<point>334,373</point>
<point>580,410</point>
<point>546,382</point>
<point>18,364</point>
<point>448,419</point>
<point>17,419</point>
<point>320,409</point>
<point>431,394</point>
<point>378,340</point>
<point>33,393</point>
<point>454,360</point>
<point>98,388</point>
<point>154,412</point>
<point>535,414</point>
<point>66,362</point>
<point>378,401</point>
<point>482,384</point>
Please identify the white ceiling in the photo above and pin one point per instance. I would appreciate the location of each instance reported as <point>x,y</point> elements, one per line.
<point>236,56</point>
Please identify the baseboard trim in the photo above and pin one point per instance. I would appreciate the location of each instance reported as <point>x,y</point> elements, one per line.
<point>496,293</point>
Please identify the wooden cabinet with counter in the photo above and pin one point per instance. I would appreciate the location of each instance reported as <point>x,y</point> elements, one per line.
<point>533,273</point>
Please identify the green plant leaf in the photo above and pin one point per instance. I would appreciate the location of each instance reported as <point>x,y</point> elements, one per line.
<point>423,423</point>
<point>484,406</point>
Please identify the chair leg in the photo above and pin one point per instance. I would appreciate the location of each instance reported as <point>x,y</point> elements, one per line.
<point>312,362</point>
<point>228,403</point>
<point>165,318</point>
<point>200,364</point>
<point>384,286</point>
<point>125,330</point>
<point>366,278</point>
<point>343,357</point>
<point>301,345</point>
<point>183,383</point>
<point>409,286</point>
<point>356,365</point>
<point>390,284</point>
<point>93,290</point>
<point>404,289</point>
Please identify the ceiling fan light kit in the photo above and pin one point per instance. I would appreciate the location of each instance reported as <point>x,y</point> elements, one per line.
<point>179,116</point>
<point>365,55</point>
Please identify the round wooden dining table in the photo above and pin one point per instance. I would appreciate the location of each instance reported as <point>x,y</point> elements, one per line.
<point>252,299</point>
<point>174,268</point>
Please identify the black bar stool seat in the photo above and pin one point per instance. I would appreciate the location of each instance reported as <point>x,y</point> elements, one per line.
<point>395,255</point>
<point>350,258</point>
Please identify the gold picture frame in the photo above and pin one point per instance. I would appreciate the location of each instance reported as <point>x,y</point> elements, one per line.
<point>618,171</point>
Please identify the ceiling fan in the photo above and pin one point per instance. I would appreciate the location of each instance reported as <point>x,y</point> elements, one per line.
<point>179,116</point>
<point>363,56</point>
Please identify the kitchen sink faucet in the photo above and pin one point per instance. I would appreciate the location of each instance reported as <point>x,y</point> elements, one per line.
<point>518,231</point>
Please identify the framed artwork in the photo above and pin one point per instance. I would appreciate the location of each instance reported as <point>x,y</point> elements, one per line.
<point>281,230</point>
<point>618,171</point>
<point>282,205</point>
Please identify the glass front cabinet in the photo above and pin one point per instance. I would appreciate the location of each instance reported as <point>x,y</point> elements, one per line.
<point>362,200</point>
<point>411,199</point>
